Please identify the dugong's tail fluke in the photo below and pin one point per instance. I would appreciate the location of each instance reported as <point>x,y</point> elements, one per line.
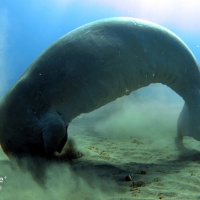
<point>188,121</point>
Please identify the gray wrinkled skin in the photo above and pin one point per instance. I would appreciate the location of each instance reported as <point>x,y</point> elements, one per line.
<point>88,68</point>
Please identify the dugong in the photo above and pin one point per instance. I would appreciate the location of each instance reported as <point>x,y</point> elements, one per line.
<point>88,68</point>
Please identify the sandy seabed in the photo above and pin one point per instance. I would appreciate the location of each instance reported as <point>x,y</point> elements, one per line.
<point>129,154</point>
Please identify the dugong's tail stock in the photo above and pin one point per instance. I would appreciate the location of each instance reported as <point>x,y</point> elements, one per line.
<point>86,69</point>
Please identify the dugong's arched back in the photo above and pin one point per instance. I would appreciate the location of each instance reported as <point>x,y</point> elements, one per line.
<point>86,69</point>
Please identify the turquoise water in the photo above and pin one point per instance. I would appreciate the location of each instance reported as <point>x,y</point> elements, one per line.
<point>28,28</point>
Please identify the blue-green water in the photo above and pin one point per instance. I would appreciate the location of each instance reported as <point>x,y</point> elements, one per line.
<point>28,27</point>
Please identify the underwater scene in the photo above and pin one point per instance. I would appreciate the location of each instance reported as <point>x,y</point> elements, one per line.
<point>99,99</point>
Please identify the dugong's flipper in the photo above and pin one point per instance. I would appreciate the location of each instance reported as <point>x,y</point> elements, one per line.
<point>63,142</point>
<point>54,133</point>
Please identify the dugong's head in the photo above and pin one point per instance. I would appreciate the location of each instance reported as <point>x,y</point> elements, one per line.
<point>28,127</point>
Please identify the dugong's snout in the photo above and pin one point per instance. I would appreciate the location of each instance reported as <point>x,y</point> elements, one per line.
<point>20,143</point>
